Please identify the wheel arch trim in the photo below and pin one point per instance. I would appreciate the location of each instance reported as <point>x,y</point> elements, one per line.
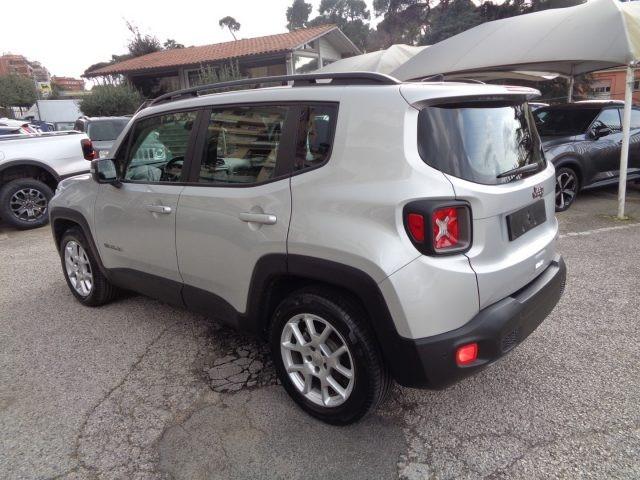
<point>56,214</point>
<point>358,283</point>
<point>573,161</point>
<point>31,163</point>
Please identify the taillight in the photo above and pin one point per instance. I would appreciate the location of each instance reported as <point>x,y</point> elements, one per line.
<point>88,150</point>
<point>415,222</point>
<point>438,227</point>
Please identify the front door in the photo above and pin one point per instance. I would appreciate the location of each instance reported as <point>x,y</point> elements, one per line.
<point>237,207</point>
<point>605,154</point>
<point>634,142</point>
<point>136,223</point>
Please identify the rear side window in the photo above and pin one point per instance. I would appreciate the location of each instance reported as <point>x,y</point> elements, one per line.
<point>479,141</point>
<point>560,121</point>
<point>106,130</point>
<point>242,144</point>
<point>315,140</point>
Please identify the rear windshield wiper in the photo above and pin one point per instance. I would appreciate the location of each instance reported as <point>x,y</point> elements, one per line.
<point>532,167</point>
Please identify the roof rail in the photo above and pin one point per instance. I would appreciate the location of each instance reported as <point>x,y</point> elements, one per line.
<point>306,79</point>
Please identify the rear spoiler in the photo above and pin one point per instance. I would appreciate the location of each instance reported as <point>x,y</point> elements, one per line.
<point>421,95</point>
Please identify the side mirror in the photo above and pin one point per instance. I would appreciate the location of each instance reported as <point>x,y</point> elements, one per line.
<point>600,131</point>
<point>103,170</point>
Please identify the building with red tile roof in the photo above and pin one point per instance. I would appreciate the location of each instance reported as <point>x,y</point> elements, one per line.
<point>293,52</point>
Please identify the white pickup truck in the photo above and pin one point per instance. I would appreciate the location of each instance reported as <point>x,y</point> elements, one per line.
<point>31,167</point>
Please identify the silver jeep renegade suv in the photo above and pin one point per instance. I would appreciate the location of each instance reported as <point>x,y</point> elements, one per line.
<point>369,229</point>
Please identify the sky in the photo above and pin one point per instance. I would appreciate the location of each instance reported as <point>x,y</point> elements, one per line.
<point>76,34</point>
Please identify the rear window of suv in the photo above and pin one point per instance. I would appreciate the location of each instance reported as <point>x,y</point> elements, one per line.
<point>477,141</point>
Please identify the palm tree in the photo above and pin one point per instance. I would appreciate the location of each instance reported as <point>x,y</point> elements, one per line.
<point>231,23</point>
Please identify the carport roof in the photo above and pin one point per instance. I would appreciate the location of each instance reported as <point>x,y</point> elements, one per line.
<point>179,57</point>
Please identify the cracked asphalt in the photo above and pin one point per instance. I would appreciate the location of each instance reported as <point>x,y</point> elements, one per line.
<point>140,390</point>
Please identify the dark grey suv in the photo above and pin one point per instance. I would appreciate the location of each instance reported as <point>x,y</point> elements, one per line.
<point>583,141</point>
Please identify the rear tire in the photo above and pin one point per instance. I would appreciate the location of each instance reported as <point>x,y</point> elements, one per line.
<point>567,188</point>
<point>336,373</point>
<point>24,203</point>
<point>82,272</point>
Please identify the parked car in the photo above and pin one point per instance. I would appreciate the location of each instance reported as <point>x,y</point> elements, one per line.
<point>370,232</point>
<point>31,166</point>
<point>4,130</point>
<point>583,140</point>
<point>102,131</point>
<point>25,127</point>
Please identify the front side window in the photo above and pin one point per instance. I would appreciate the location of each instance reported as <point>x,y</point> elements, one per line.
<point>479,141</point>
<point>158,147</point>
<point>610,118</point>
<point>635,119</point>
<point>242,144</point>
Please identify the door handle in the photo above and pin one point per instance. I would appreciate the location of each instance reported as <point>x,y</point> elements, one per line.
<point>264,218</point>
<point>159,209</point>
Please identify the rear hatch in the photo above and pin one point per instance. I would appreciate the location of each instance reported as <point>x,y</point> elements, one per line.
<point>475,142</point>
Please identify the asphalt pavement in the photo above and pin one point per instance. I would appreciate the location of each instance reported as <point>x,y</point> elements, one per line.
<point>141,390</point>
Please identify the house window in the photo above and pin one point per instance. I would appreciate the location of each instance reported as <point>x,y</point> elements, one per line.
<point>636,85</point>
<point>305,64</point>
<point>601,89</point>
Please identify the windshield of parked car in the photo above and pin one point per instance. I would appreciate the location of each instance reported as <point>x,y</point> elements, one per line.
<point>478,141</point>
<point>106,130</point>
<point>564,121</point>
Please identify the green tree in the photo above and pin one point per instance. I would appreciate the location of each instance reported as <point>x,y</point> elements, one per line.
<point>17,91</point>
<point>111,100</point>
<point>450,18</point>
<point>352,16</point>
<point>403,21</point>
<point>141,44</point>
<point>298,14</point>
<point>171,44</point>
<point>231,23</point>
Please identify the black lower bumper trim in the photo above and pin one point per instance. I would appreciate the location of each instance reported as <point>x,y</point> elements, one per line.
<point>496,329</point>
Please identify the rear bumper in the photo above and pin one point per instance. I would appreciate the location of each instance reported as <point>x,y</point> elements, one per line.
<point>430,362</point>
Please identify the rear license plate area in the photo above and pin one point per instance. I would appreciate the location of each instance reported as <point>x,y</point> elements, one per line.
<point>525,219</point>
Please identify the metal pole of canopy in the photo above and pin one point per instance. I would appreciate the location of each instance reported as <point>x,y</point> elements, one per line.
<point>570,91</point>
<point>624,153</point>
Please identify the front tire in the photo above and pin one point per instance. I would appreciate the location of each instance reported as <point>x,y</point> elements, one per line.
<point>567,188</point>
<point>326,356</point>
<point>81,270</point>
<point>24,203</point>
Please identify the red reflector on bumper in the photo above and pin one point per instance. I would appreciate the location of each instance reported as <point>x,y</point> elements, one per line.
<point>467,354</point>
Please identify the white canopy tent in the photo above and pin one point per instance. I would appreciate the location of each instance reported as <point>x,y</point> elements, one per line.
<point>381,61</point>
<point>389,59</point>
<point>570,41</point>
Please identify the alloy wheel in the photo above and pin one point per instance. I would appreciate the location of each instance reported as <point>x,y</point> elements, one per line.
<point>566,189</point>
<point>317,359</point>
<point>28,204</point>
<point>78,268</point>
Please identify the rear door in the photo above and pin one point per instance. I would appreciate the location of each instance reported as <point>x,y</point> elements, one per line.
<point>135,224</point>
<point>514,224</point>
<point>237,206</point>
